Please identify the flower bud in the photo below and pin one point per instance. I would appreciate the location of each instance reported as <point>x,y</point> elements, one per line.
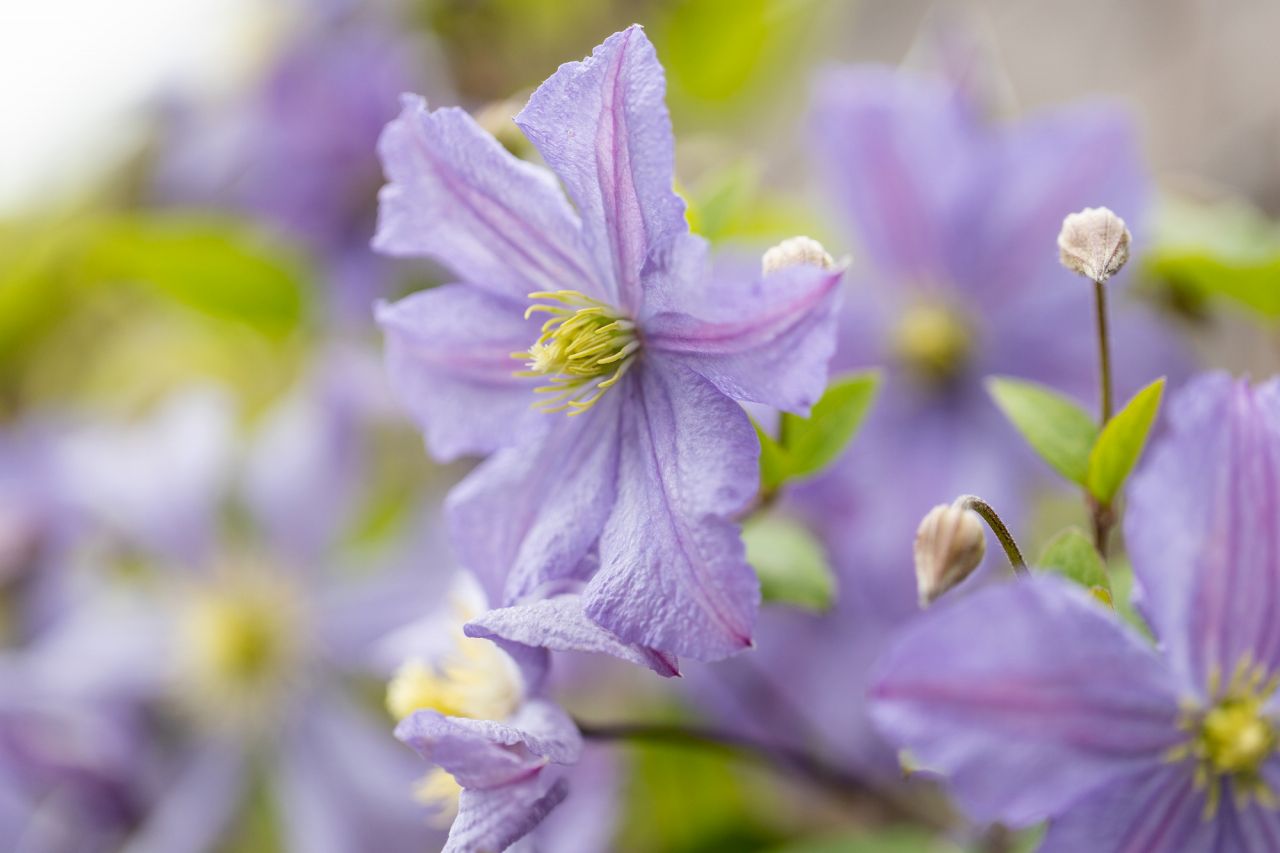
<point>795,252</point>
<point>1094,243</point>
<point>950,543</point>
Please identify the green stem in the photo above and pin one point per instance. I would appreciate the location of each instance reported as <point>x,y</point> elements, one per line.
<point>997,525</point>
<point>1104,348</point>
<point>1102,516</point>
<point>837,780</point>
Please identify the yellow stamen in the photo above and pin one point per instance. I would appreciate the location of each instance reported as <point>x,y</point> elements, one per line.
<point>932,340</point>
<point>242,638</point>
<point>584,348</point>
<point>473,679</point>
<point>439,790</point>
<point>1233,738</point>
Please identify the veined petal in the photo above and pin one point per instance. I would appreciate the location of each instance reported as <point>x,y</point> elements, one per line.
<point>480,753</point>
<point>1026,696</point>
<point>760,339</point>
<point>531,513</point>
<point>342,784</point>
<point>672,570</point>
<point>455,194</point>
<point>1158,810</point>
<point>559,623</point>
<point>495,818</point>
<point>197,806</point>
<point>899,152</point>
<point>449,358</point>
<point>1203,530</point>
<point>1245,828</point>
<point>602,126</point>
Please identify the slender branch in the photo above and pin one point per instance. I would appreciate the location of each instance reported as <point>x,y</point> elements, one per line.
<point>827,776</point>
<point>1104,348</point>
<point>998,527</point>
<point>1102,516</point>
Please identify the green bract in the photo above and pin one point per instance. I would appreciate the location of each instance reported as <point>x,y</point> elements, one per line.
<point>790,563</point>
<point>1118,446</point>
<point>1055,426</point>
<point>807,445</point>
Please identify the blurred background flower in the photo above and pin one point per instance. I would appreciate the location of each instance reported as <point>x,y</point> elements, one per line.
<point>211,514</point>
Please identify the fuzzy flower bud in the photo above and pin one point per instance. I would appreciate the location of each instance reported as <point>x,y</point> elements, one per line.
<point>1094,243</point>
<point>795,252</point>
<point>950,543</point>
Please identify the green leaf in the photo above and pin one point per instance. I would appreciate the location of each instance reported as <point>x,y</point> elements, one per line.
<point>790,563</point>
<point>1223,250</point>
<point>1055,426</point>
<point>216,266</point>
<point>1120,444</point>
<point>1072,555</point>
<point>807,445</point>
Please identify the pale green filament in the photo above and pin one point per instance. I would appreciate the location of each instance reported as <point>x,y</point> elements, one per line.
<point>1233,738</point>
<point>585,348</point>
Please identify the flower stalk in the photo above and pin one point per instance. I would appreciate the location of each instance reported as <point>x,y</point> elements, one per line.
<point>998,527</point>
<point>827,776</point>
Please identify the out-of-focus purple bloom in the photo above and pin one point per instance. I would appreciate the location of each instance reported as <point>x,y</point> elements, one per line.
<point>243,640</point>
<point>74,776</point>
<point>298,150</point>
<point>37,527</point>
<point>1037,702</point>
<point>504,754</point>
<point>954,221</point>
<point>629,500</point>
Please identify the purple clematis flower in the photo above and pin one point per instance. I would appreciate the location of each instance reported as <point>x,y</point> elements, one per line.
<point>502,750</point>
<point>620,455</point>
<point>1037,702</point>
<point>953,220</point>
<point>242,640</point>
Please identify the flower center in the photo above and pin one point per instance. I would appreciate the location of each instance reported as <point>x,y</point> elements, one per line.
<point>242,642</point>
<point>472,678</point>
<point>1234,738</point>
<point>585,348</point>
<point>934,341</point>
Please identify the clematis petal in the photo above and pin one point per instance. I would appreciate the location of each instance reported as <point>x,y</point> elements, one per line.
<point>301,474</point>
<point>157,482</point>
<point>1064,160</point>
<point>198,805</point>
<point>1026,696</point>
<point>760,339</point>
<point>455,194</point>
<point>1202,532</point>
<point>342,784</point>
<point>531,513</point>
<point>1158,810</point>
<point>558,623</point>
<point>496,818</point>
<point>602,125</point>
<point>673,574</point>
<point>1246,828</point>
<point>900,151</point>
<point>479,753</point>
<point>448,355</point>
